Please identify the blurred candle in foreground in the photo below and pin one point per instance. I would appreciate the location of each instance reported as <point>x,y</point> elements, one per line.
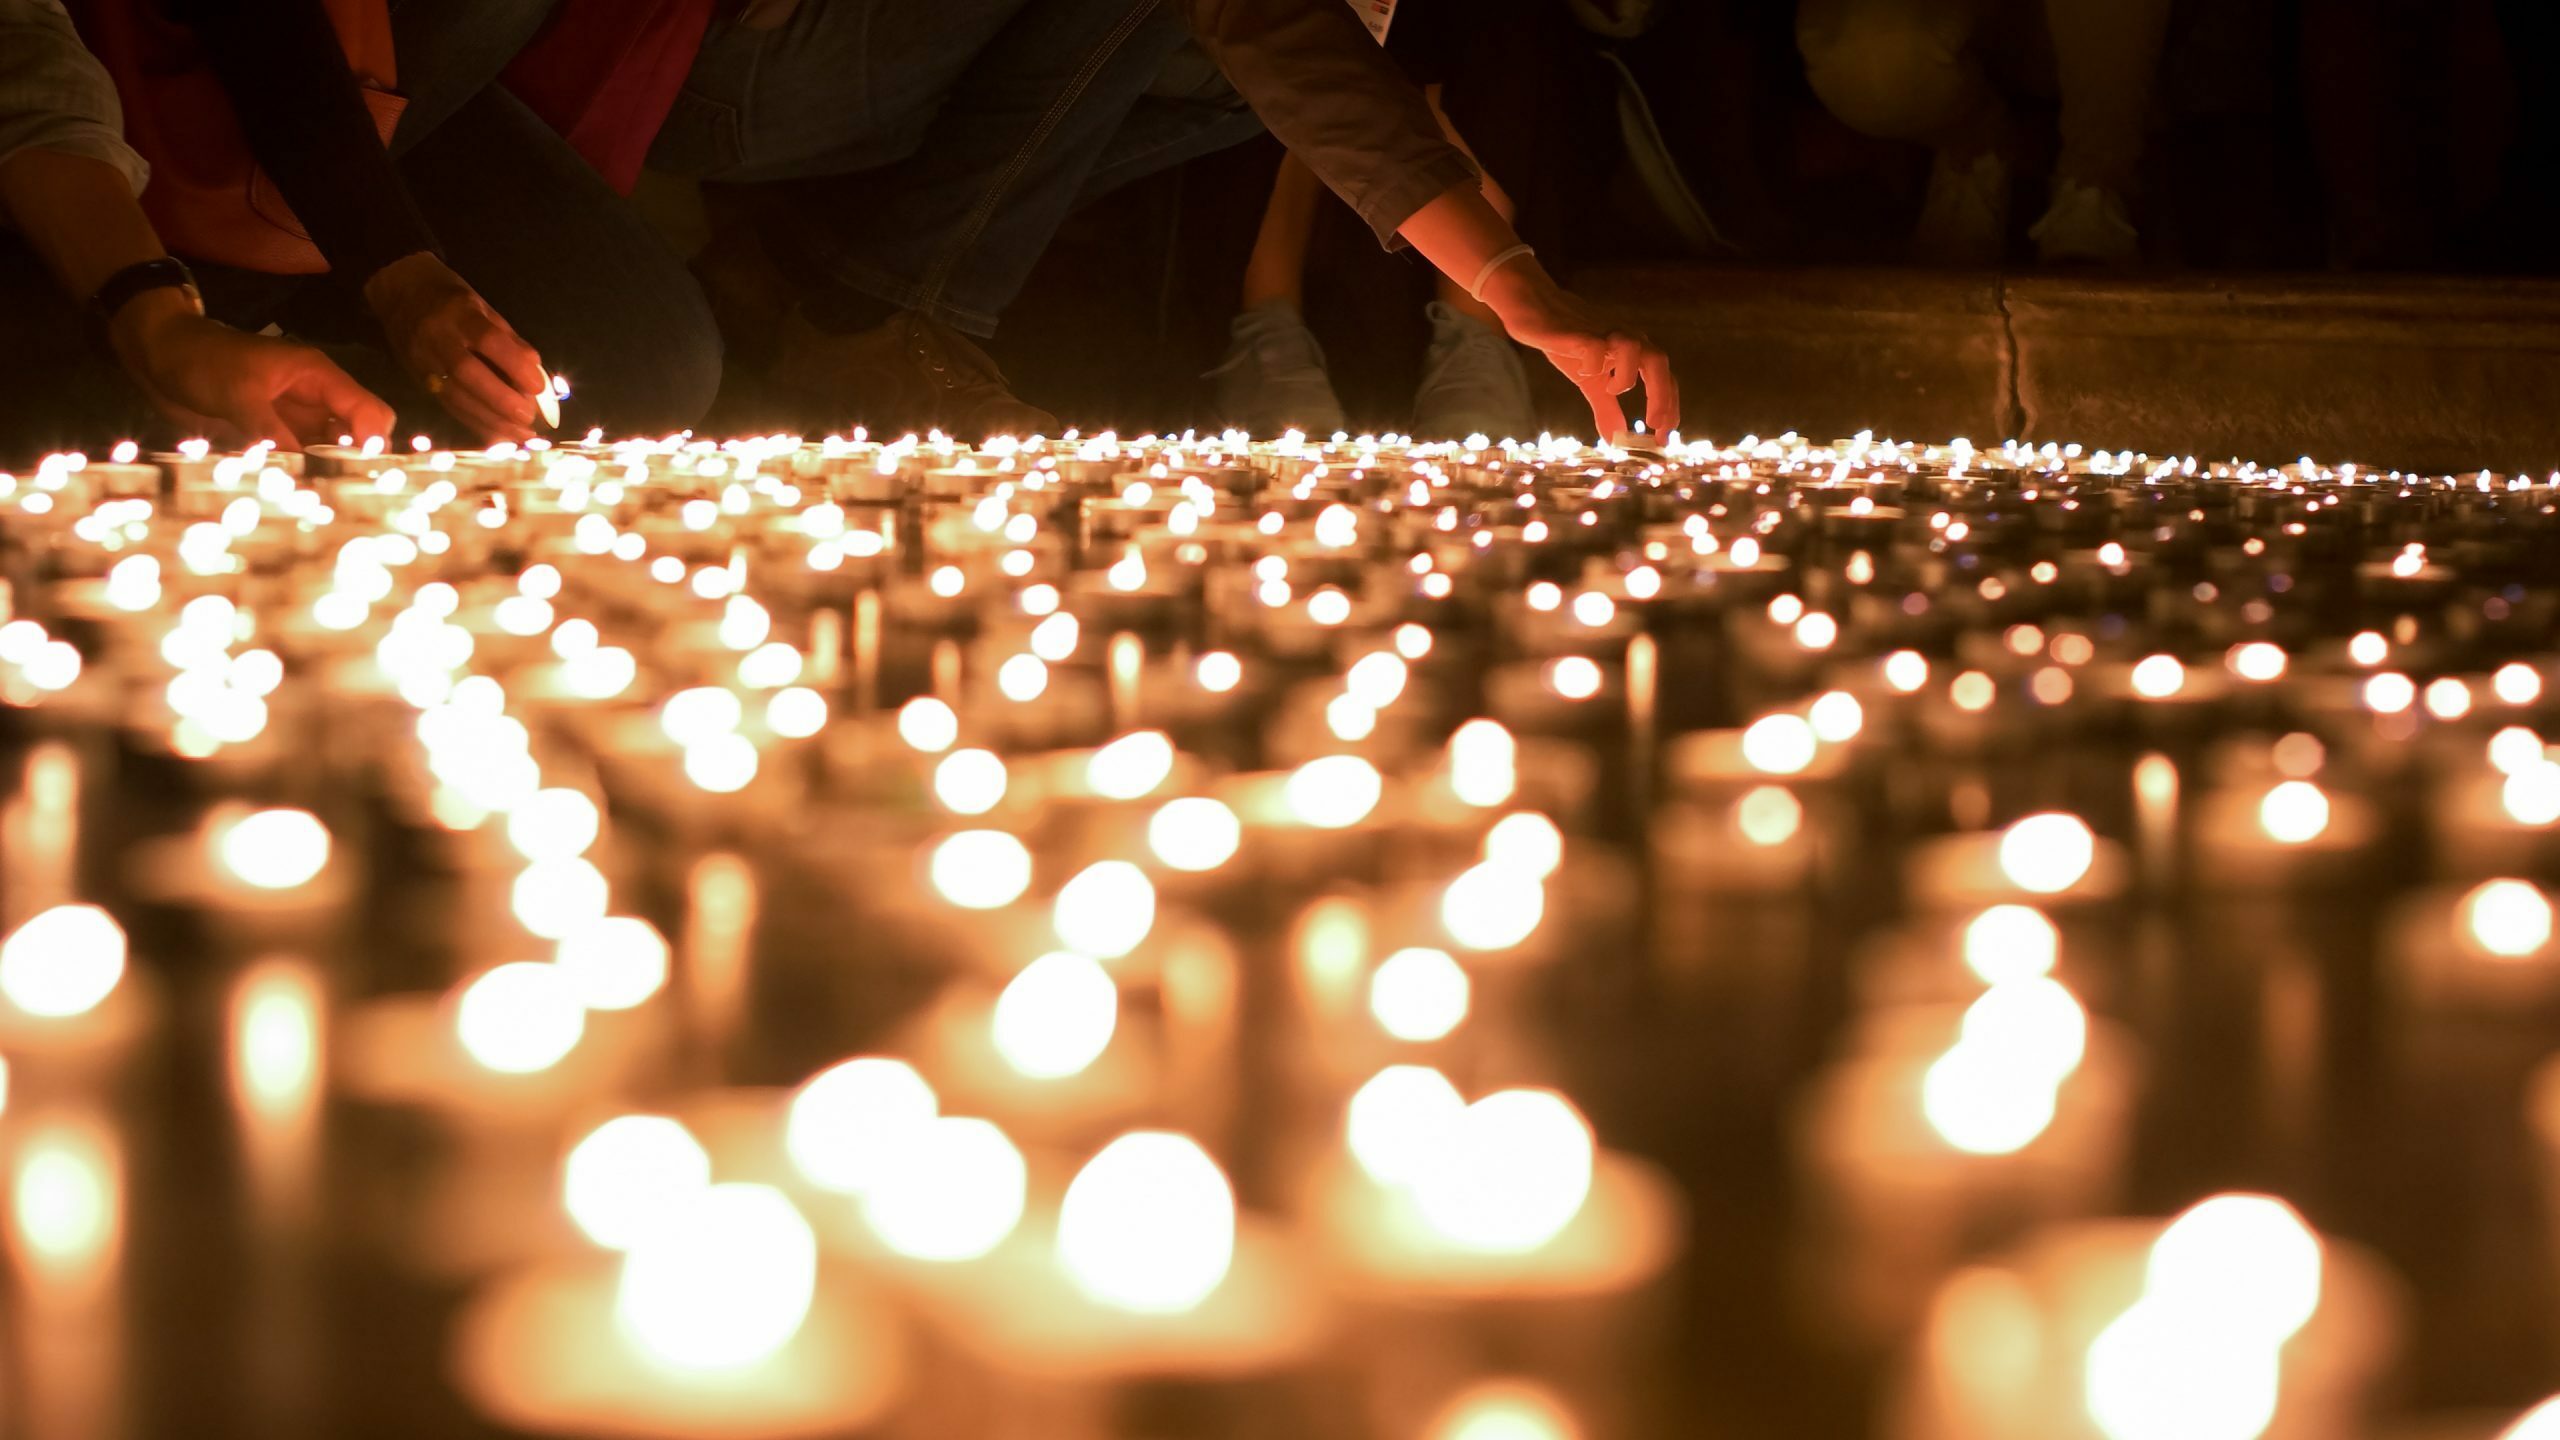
<point>66,1242</point>
<point>723,1281</point>
<point>275,1069</point>
<point>1148,1225</point>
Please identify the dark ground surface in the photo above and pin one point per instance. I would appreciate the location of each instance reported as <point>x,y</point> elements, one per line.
<point>2434,372</point>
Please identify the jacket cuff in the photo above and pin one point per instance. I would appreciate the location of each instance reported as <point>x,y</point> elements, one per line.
<point>1393,201</point>
<point>89,141</point>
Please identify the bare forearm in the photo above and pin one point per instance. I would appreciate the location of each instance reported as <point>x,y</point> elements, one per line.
<point>1460,231</point>
<point>79,214</point>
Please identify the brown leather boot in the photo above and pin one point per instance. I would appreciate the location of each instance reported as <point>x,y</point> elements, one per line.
<point>911,373</point>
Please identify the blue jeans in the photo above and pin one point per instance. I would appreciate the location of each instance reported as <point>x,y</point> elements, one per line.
<point>924,151</point>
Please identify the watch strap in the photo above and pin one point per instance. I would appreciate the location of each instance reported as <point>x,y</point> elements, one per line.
<point>167,272</point>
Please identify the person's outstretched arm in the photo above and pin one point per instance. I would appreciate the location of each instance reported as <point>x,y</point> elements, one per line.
<point>1462,234</point>
<point>79,214</point>
<point>1328,91</point>
<point>67,185</point>
<point>304,115</point>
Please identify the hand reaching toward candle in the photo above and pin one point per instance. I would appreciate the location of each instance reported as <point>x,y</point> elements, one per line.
<point>1603,361</point>
<point>236,388</point>
<point>457,346</point>
<point>1461,233</point>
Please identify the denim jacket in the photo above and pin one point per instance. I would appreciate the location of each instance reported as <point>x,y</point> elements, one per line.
<point>1328,91</point>
<point>1323,86</point>
<point>54,95</point>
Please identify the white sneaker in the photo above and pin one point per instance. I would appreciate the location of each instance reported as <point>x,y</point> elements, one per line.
<point>1472,382</point>
<point>1274,375</point>
<point>2086,225</point>
<point>1966,218</point>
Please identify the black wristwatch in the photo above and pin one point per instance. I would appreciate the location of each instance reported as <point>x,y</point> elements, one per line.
<point>166,273</point>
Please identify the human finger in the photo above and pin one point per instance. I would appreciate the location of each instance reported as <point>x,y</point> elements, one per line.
<point>1661,392</point>
<point>472,377</point>
<point>319,382</point>
<point>506,353</point>
<point>486,426</point>
<point>1608,417</point>
<point>253,415</point>
<point>1623,363</point>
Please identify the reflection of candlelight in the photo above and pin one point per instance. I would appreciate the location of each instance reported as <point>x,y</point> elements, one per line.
<point>66,1237</point>
<point>275,1073</point>
<point>720,913</point>
<point>37,833</point>
<point>1504,1410</point>
<point>66,1205</point>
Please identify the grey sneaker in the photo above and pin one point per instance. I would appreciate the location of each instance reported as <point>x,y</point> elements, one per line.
<point>1472,382</point>
<point>1274,376</point>
<point>1965,221</point>
<point>2086,225</point>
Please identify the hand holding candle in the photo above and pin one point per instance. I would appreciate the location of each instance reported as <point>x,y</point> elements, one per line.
<point>459,348</point>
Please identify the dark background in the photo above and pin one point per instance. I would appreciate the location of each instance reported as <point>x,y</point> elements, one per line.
<point>2378,138</point>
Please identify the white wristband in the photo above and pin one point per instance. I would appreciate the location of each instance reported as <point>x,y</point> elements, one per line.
<point>1499,260</point>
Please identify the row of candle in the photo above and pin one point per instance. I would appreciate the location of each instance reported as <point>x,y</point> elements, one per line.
<point>1179,830</point>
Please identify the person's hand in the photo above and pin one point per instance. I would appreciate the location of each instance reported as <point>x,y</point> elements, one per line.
<point>235,388</point>
<point>457,347</point>
<point>1603,361</point>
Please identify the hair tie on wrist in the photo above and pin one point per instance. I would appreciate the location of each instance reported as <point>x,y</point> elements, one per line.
<point>1499,260</point>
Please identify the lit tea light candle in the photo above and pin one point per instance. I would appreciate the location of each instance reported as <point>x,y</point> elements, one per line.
<point>719,1321</point>
<point>2291,832</point>
<point>496,1065</point>
<point>261,876</point>
<point>1917,1156</point>
<point>1145,1272</point>
<point>71,1007</point>
<point>66,1243</point>
<point>2234,1319</point>
<point>1497,1228</point>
